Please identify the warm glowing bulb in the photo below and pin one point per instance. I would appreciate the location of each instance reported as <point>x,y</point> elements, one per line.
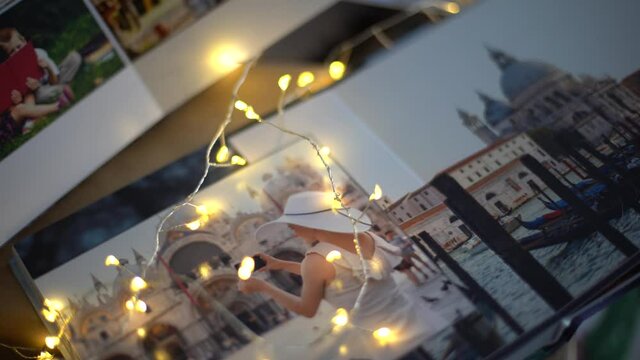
<point>244,273</point>
<point>336,205</point>
<point>223,154</point>
<point>194,225</point>
<point>325,151</point>
<point>383,335</point>
<point>248,262</point>
<point>305,79</point>
<point>284,81</point>
<point>56,305</point>
<point>343,350</point>
<point>251,114</point>
<point>341,318</point>
<point>111,261</point>
<point>141,332</point>
<point>241,105</point>
<point>452,7</point>
<point>336,70</point>
<point>205,271</point>
<point>202,210</point>
<point>238,160</point>
<point>376,194</point>
<point>141,306</point>
<point>52,341</point>
<point>333,255</point>
<point>129,304</point>
<point>137,284</point>
<point>49,315</point>
<point>45,355</point>
<point>226,58</point>
<point>337,284</point>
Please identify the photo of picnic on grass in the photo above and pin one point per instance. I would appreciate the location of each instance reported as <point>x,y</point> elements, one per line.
<point>50,58</point>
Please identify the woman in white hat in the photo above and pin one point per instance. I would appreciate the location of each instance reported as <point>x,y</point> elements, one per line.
<point>311,217</point>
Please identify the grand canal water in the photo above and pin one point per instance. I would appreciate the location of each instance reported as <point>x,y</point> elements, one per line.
<point>577,266</point>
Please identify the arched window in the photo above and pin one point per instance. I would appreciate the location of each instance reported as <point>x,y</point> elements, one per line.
<point>190,256</point>
<point>553,102</point>
<point>489,196</point>
<point>578,116</point>
<point>522,174</point>
<point>561,96</point>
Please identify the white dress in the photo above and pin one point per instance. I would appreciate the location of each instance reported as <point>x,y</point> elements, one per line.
<point>383,304</point>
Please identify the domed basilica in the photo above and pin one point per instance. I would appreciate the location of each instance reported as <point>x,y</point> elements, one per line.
<point>541,95</point>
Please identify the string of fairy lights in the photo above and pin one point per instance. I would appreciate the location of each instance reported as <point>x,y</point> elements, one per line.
<point>54,311</point>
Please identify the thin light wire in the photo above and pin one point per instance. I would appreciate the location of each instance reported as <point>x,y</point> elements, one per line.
<point>218,134</point>
<point>356,238</point>
<point>17,349</point>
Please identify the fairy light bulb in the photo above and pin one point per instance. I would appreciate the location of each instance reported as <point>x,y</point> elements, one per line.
<point>336,70</point>
<point>44,355</point>
<point>336,205</point>
<point>248,262</point>
<point>202,210</point>
<point>141,306</point>
<point>205,271</point>
<point>305,79</point>
<point>130,304</point>
<point>52,341</point>
<point>238,160</point>
<point>49,315</point>
<point>244,273</point>
<point>240,105</point>
<point>53,304</point>
<point>141,332</point>
<point>333,255</point>
<point>194,225</point>
<point>223,154</point>
<point>343,350</point>
<point>284,81</point>
<point>383,335</point>
<point>251,114</point>
<point>111,260</point>
<point>341,318</point>
<point>325,151</point>
<point>137,284</point>
<point>376,194</point>
<point>452,8</point>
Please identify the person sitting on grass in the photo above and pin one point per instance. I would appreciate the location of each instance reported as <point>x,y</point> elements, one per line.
<point>23,114</point>
<point>54,81</point>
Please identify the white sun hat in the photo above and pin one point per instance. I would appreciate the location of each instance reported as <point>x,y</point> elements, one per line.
<point>313,209</point>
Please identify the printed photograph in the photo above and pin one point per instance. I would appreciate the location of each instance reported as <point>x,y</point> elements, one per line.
<point>194,306</point>
<point>140,25</point>
<point>50,58</point>
<point>578,121</point>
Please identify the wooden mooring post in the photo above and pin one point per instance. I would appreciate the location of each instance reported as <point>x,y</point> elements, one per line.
<point>570,145</point>
<point>476,217</point>
<point>471,284</point>
<point>602,225</point>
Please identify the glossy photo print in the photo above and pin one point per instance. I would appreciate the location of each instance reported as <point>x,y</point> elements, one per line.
<point>141,25</point>
<point>193,306</point>
<point>50,58</point>
<point>524,124</point>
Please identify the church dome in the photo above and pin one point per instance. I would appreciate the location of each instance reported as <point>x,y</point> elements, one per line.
<point>494,110</point>
<point>518,76</point>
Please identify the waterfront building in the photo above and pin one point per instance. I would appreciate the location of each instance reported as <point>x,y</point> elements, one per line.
<point>538,94</point>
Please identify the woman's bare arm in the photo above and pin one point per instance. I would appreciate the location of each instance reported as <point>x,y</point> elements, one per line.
<point>290,266</point>
<point>277,264</point>
<point>315,271</point>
